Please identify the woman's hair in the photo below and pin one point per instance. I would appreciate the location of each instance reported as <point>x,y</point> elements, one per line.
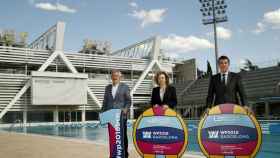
<point>162,73</point>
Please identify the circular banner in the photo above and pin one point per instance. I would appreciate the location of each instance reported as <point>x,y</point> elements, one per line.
<point>229,130</point>
<point>159,132</point>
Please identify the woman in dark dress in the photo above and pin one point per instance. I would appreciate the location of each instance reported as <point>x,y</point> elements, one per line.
<point>164,95</point>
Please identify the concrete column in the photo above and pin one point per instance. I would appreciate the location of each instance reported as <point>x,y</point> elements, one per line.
<point>156,48</point>
<point>55,115</point>
<point>83,115</point>
<point>24,117</point>
<point>131,109</point>
<point>70,116</point>
<point>59,42</point>
<point>267,110</point>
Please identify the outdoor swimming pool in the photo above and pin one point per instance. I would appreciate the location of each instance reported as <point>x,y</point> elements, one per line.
<point>94,132</point>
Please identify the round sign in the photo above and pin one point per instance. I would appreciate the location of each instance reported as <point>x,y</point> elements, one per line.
<point>159,132</point>
<point>229,130</point>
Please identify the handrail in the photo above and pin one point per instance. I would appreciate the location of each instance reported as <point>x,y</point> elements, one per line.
<point>187,87</point>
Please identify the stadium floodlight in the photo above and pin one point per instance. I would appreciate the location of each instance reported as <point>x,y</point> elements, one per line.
<point>213,12</point>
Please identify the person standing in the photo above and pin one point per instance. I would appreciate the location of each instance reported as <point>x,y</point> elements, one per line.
<point>226,86</point>
<point>164,94</point>
<point>117,96</point>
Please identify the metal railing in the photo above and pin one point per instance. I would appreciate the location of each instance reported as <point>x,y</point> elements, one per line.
<point>13,125</point>
<point>138,50</point>
<point>38,57</point>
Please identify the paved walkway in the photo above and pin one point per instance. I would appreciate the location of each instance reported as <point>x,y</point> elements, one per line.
<point>18,145</point>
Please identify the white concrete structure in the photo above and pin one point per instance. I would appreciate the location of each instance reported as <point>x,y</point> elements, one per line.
<point>136,62</point>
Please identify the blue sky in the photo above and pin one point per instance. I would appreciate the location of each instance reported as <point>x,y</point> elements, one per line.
<point>253,29</point>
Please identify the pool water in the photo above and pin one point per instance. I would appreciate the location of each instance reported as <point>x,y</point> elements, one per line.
<point>270,144</point>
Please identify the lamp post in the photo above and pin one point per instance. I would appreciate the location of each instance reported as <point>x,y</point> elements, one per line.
<point>213,12</point>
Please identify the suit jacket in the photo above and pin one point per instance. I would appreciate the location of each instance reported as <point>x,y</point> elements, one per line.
<point>218,93</point>
<point>169,98</point>
<point>122,98</point>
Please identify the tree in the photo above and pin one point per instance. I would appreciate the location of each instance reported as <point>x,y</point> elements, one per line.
<point>1,35</point>
<point>1,39</point>
<point>209,69</point>
<point>9,37</point>
<point>87,43</point>
<point>23,36</point>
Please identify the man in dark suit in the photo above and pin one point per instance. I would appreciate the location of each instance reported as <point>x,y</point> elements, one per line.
<point>117,96</point>
<point>225,86</point>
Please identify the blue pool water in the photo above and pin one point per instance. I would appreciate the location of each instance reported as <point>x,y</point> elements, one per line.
<point>270,145</point>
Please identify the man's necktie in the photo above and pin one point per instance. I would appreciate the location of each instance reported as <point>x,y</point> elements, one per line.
<point>224,79</point>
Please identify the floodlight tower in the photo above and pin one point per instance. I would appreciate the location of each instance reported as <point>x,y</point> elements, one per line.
<point>213,12</point>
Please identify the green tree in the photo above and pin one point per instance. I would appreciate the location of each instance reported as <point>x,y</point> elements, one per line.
<point>9,37</point>
<point>22,38</point>
<point>209,69</point>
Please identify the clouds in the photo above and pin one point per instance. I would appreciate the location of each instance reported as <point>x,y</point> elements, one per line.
<point>260,28</point>
<point>271,20</point>
<point>147,17</point>
<point>47,6</point>
<point>179,44</point>
<point>222,33</point>
<point>174,44</point>
<point>133,4</point>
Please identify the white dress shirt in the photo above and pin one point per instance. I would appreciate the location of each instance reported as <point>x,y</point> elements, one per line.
<point>161,93</point>
<point>114,90</point>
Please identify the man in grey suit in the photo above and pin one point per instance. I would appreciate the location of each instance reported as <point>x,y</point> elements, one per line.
<point>117,96</point>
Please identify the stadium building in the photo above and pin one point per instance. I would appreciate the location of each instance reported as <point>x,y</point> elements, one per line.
<point>45,83</point>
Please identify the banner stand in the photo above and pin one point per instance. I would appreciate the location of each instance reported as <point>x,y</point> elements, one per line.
<point>115,120</point>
